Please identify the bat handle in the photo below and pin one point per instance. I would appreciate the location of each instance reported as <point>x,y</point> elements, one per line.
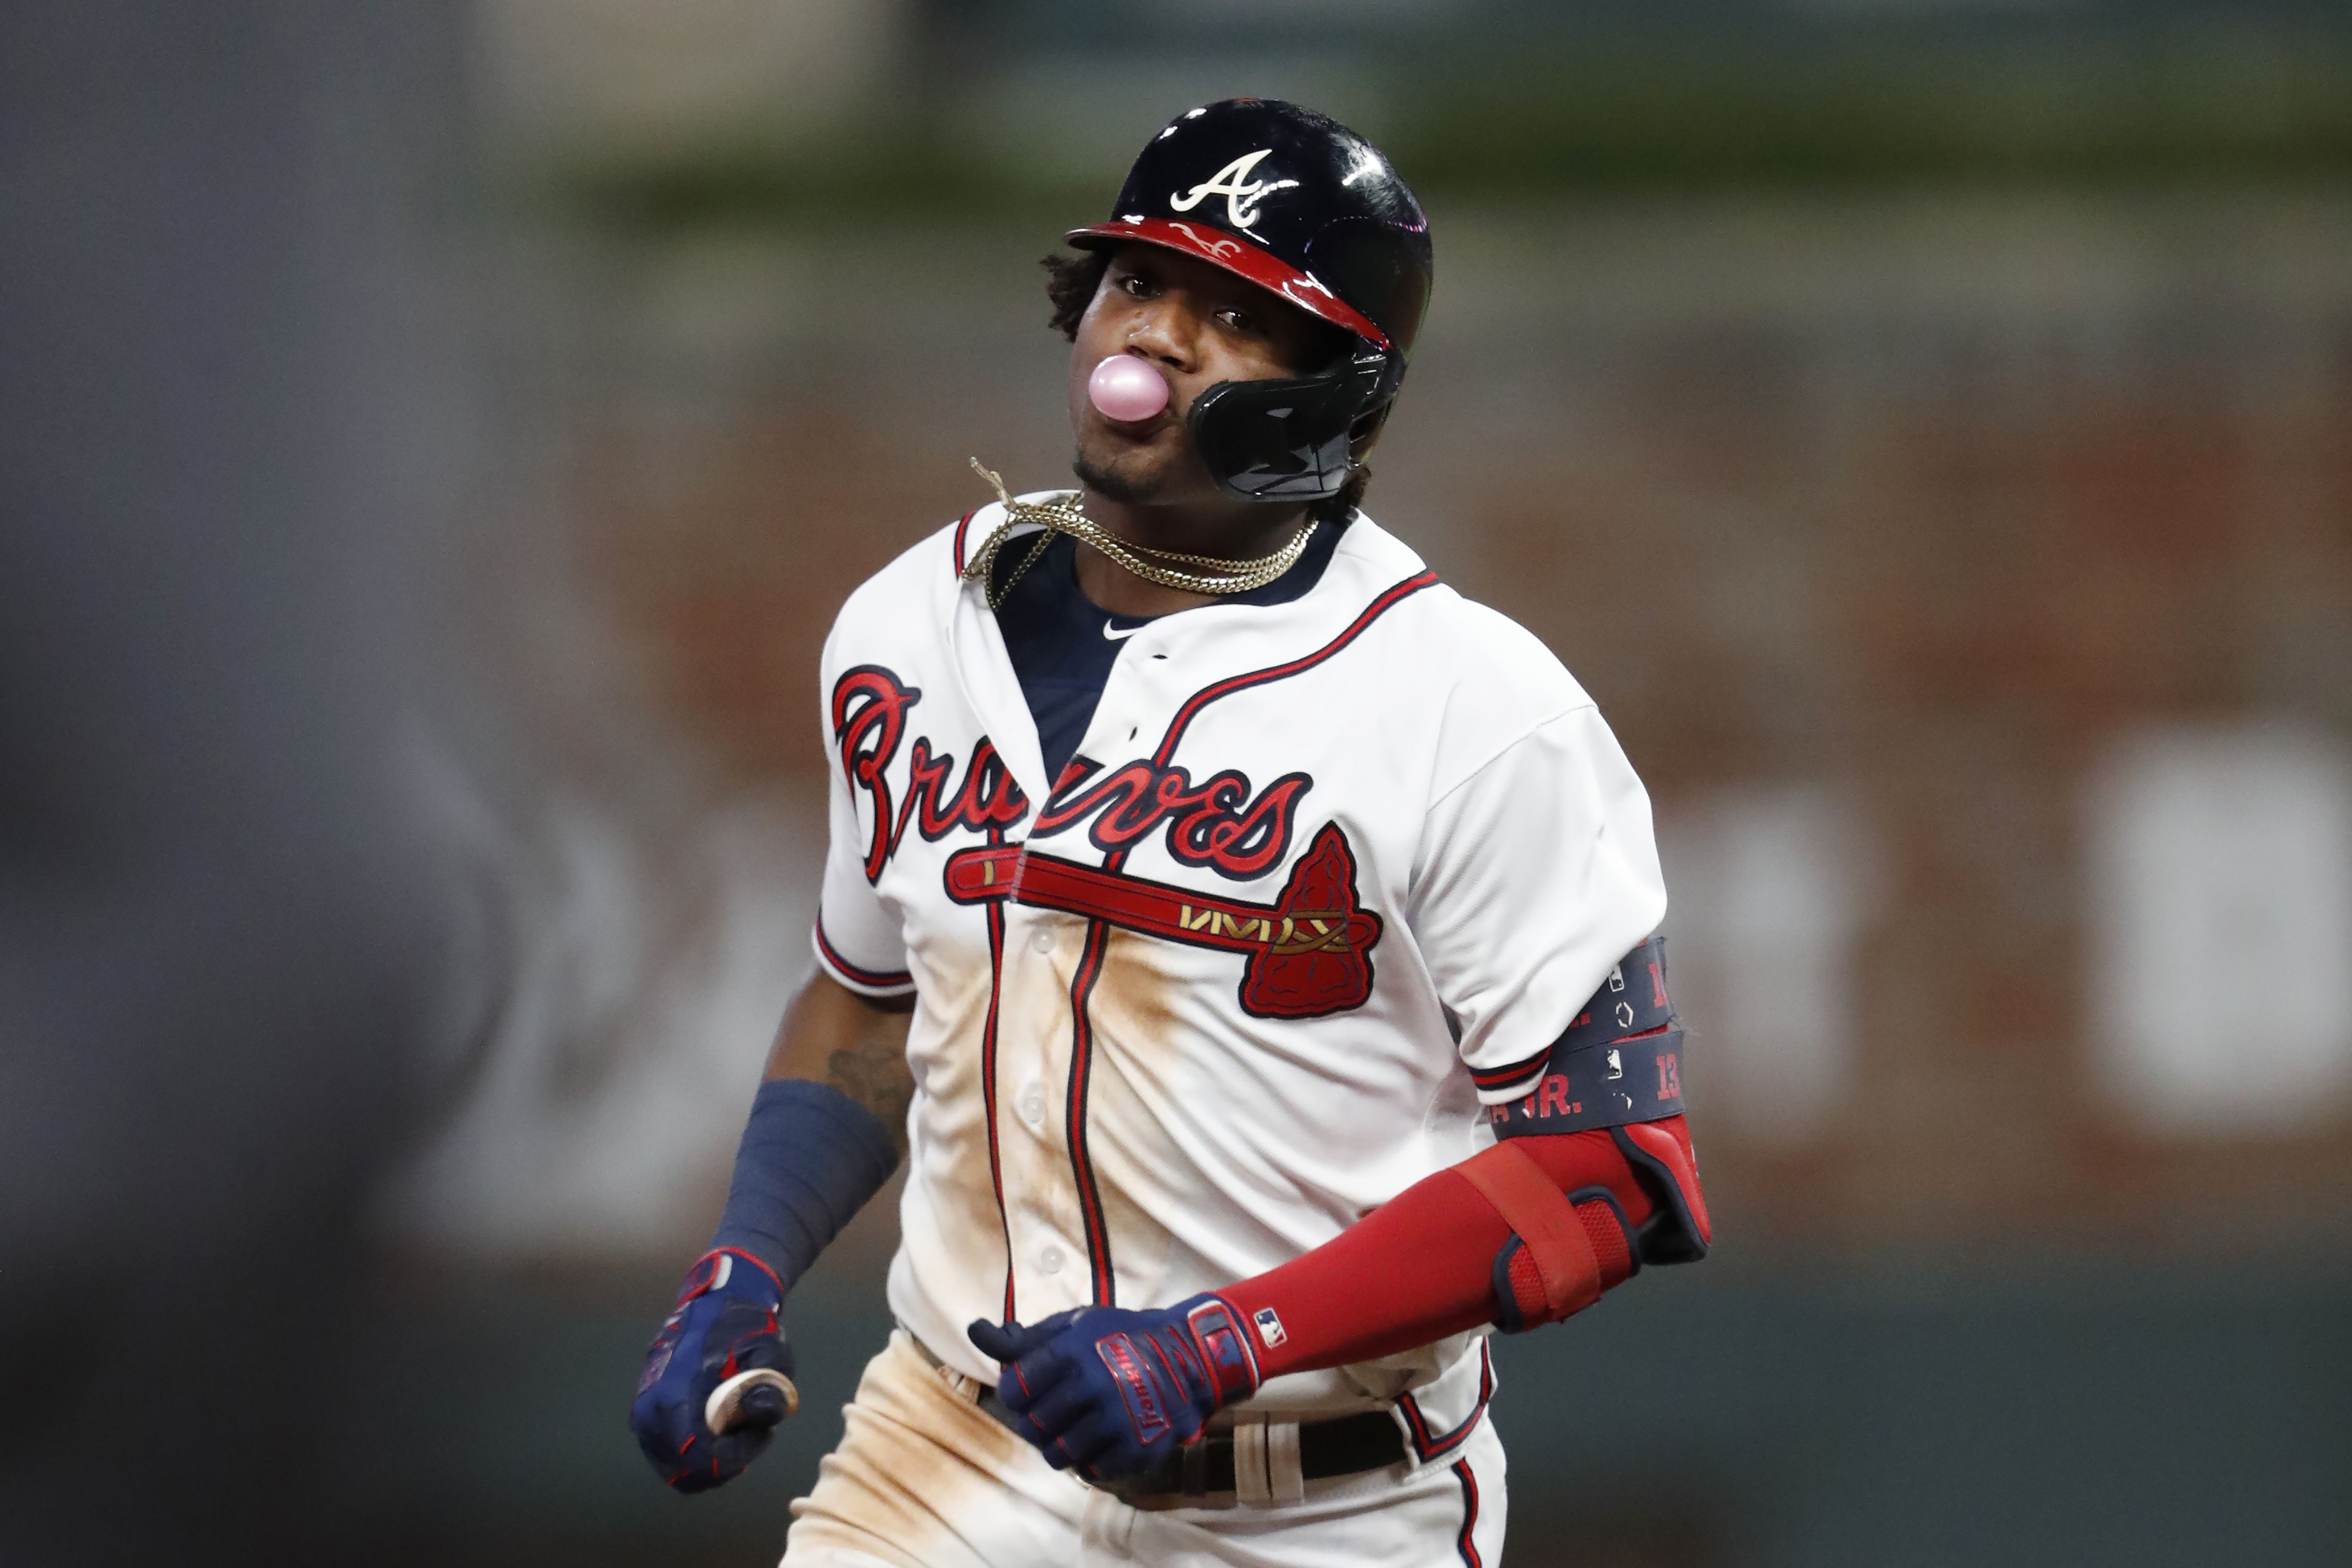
<point>725,1406</point>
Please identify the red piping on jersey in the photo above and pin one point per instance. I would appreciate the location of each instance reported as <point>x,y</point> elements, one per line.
<point>877,979</point>
<point>1207,695</point>
<point>962,524</point>
<point>1509,1076</point>
<point>1512,1073</point>
<point>1082,985</point>
<point>988,1090</point>
<point>1097,933</point>
<point>1464,1543</point>
<point>1427,1447</point>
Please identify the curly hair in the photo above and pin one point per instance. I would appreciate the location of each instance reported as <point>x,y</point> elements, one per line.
<point>1070,285</point>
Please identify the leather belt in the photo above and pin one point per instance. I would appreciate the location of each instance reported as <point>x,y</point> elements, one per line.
<point>1241,1463</point>
<point>1249,1462</point>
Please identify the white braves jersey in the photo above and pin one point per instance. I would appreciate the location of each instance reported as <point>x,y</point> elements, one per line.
<point>1322,877</point>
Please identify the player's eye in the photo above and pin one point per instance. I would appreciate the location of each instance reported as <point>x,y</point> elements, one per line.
<point>1136,287</point>
<point>1240,322</point>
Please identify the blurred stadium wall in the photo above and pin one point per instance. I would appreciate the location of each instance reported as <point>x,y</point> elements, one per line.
<point>1926,429</point>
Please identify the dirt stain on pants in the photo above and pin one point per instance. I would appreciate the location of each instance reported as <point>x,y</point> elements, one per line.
<point>925,1478</point>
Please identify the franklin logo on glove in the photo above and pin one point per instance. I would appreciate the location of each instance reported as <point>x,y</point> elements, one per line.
<point>1110,1392</point>
<point>1118,1353</point>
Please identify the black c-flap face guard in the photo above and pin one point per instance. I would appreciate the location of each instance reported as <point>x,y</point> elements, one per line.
<point>1287,441</point>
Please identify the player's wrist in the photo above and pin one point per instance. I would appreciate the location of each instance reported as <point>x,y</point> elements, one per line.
<point>810,1158</point>
<point>735,1270</point>
<point>1277,1325</point>
<point>1220,1336</point>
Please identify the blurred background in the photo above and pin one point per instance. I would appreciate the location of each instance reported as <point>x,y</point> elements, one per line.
<point>434,437</point>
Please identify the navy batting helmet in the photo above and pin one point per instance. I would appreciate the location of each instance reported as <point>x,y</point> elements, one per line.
<point>1301,205</point>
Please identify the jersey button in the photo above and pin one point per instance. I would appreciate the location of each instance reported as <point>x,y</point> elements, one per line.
<point>1033,1106</point>
<point>1043,942</point>
<point>1051,1260</point>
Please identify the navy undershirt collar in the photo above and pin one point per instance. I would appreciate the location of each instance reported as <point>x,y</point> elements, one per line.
<point>1063,644</point>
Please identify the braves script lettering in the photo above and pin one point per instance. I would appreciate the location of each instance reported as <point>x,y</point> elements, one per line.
<point>1217,823</point>
<point>869,719</point>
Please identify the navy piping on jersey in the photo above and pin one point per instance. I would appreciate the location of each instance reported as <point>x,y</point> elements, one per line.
<point>1512,1074</point>
<point>1102,1276</point>
<point>879,979</point>
<point>1063,644</point>
<point>988,1082</point>
<point>963,524</point>
<point>1063,647</point>
<point>1465,1541</point>
<point>1228,687</point>
<point>1428,1445</point>
<point>1082,1168</point>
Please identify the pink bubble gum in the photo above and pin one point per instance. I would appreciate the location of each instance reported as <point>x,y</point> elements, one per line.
<point>1127,389</point>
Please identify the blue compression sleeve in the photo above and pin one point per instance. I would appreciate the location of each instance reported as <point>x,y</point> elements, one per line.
<point>810,1158</point>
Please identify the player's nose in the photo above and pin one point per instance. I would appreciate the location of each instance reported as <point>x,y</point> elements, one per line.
<point>1165,330</point>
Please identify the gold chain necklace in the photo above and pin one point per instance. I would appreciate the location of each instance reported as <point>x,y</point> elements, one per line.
<point>1064,514</point>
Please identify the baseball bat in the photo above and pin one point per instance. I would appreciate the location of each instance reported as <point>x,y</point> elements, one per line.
<point>725,1407</point>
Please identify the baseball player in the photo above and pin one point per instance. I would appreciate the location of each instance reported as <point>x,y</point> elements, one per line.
<point>1247,940</point>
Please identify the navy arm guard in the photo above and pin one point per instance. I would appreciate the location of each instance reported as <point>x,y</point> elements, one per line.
<point>1618,1066</point>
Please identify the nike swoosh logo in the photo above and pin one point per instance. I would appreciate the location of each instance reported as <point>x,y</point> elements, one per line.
<point>1111,634</point>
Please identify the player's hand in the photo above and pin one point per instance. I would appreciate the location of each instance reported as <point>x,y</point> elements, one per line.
<point>1110,1392</point>
<point>725,1323</point>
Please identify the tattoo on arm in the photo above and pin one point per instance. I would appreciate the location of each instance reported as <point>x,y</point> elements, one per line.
<point>856,1044</point>
<point>872,1070</point>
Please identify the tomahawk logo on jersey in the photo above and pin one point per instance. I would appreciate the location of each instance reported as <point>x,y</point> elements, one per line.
<point>1324,880</point>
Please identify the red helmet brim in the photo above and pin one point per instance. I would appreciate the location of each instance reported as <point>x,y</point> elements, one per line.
<point>1237,256</point>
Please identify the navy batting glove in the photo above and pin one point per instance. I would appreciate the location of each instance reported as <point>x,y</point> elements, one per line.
<point>725,1322</point>
<point>1110,1392</point>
